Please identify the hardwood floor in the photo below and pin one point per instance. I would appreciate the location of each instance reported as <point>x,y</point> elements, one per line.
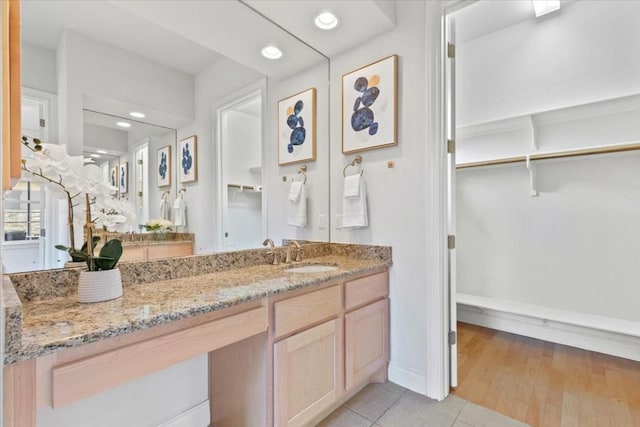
<point>546,384</point>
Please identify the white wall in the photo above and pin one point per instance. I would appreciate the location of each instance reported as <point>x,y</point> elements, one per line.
<point>39,68</point>
<point>219,80</point>
<point>574,247</point>
<point>89,66</point>
<point>398,208</point>
<point>317,171</point>
<point>97,137</point>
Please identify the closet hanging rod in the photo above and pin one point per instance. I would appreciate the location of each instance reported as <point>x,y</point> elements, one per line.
<point>554,155</point>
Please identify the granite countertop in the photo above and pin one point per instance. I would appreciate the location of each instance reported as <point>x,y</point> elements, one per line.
<point>61,322</point>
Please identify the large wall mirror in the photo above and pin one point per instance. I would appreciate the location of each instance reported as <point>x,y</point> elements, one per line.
<point>191,69</point>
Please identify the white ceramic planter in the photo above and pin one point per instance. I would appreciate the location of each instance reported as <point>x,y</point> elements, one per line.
<point>102,285</point>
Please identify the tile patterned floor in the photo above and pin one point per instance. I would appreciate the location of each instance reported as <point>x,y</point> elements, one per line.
<point>389,405</point>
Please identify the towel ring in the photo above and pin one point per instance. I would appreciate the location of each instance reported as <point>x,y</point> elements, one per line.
<point>301,170</point>
<point>356,160</point>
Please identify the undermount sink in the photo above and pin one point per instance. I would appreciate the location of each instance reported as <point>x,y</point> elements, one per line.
<point>312,268</point>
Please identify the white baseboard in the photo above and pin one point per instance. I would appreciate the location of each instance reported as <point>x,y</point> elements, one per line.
<point>411,380</point>
<point>587,337</point>
<point>197,416</point>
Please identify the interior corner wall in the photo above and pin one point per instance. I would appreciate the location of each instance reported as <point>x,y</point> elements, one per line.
<point>219,80</point>
<point>574,247</point>
<point>396,196</point>
<point>317,185</point>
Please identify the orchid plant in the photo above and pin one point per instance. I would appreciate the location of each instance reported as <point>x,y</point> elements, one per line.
<point>160,225</point>
<point>73,177</point>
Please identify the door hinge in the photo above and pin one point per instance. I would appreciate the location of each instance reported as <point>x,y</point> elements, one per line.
<point>451,146</point>
<point>139,193</point>
<point>139,161</point>
<point>451,242</point>
<point>451,50</point>
<point>43,123</point>
<point>453,338</point>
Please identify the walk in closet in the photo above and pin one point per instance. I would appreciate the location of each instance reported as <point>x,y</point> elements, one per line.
<point>548,172</point>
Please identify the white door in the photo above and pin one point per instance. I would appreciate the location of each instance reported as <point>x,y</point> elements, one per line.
<point>451,197</point>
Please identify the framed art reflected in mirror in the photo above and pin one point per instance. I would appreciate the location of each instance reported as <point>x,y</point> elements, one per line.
<point>123,179</point>
<point>188,160</point>
<point>113,177</point>
<point>163,174</point>
<point>297,128</point>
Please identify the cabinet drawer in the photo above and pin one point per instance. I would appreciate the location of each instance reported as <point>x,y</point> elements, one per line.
<point>170,250</point>
<point>366,289</point>
<point>296,313</point>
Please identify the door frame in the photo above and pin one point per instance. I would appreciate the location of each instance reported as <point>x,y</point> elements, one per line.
<point>438,299</point>
<point>238,97</point>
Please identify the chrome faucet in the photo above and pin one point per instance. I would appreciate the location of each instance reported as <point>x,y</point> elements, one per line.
<point>298,254</point>
<point>270,244</point>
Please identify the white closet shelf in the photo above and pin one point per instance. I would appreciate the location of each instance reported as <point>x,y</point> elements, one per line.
<point>546,155</point>
<point>257,188</point>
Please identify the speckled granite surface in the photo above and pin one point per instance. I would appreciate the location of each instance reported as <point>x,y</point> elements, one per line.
<point>12,316</point>
<point>148,237</point>
<point>34,286</point>
<point>162,291</point>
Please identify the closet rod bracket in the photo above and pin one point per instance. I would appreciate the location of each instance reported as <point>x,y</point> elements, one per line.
<point>533,190</point>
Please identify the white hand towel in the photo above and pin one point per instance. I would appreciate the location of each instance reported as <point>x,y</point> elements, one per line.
<point>354,209</point>
<point>164,208</point>
<point>295,190</point>
<point>179,213</point>
<point>351,186</point>
<point>297,213</point>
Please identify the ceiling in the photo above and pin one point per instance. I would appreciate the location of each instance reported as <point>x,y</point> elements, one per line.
<point>188,35</point>
<point>488,16</point>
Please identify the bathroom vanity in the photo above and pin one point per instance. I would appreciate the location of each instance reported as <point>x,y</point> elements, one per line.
<point>285,348</point>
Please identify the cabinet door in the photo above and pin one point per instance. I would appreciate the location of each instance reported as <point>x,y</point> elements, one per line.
<point>308,373</point>
<point>367,342</point>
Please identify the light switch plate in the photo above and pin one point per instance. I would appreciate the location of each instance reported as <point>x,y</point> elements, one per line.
<point>322,221</point>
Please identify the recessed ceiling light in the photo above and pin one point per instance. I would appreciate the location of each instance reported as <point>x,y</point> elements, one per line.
<point>137,114</point>
<point>101,151</point>
<point>542,7</point>
<point>95,156</point>
<point>271,52</point>
<point>124,124</point>
<point>326,21</point>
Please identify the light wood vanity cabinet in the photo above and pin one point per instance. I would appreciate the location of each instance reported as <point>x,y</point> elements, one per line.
<point>367,342</point>
<point>287,360</point>
<point>307,373</point>
<point>322,364</point>
<point>145,252</point>
<point>366,328</point>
